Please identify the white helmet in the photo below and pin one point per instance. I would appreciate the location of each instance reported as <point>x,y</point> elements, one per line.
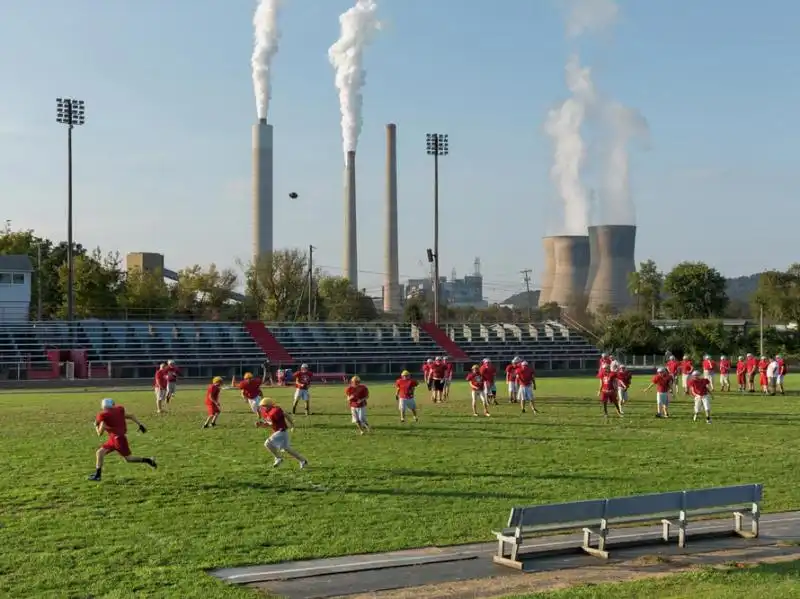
<point>777,356</point>
<point>170,362</point>
<point>515,360</point>
<point>107,403</point>
<point>671,357</point>
<point>749,355</point>
<point>763,357</point>
<point>304,366</point>
<point>660,369</point>
<point>603,355</point>
<point>524,363</point>
<point>486,360</point>
<point>696,373</point>
<point>723,358</point>
<point>437,359</point>
<point>706,357</point>
<point>741,358</point>
<point>444,358</point>
<point>429,360</point>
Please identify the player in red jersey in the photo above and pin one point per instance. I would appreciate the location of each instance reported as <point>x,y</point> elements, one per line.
<point>172,379</point>
<point>708,370</point>
<point>624,376</point>
<point>489,372</point>
<point>302,388</point>
<point>608,391</point>
<point>212,402</point>
<point>405,386</point>
<point>763,381</point>
<point>724,374</point>
<point>448,376</point>
<point>687,367</point>
<point>781,373</point>
<point>673,367</point>
<point>113,421</point>
<point>526,385</point>
<point>511,380</point>
<point>700,388</point>
<point>280,422</point>
<point>160,382</point>
<point>250,388</point>
<point>357,395</point>
<point>741,374</point>
<point>437,373</point>
<point>752,368</point>
<point>605,360</point>
<point>477,389</point>
<point>426,375</point>
<point>663,384</point>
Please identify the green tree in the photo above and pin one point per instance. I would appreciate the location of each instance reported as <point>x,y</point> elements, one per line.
<point>97,283</point>
<point>145,294</point>
<point>276,286</point>
<point>631,333</point>
<point>204,292</point>
<point>778,292</point>
<point>695,290</point>
<point>339,301</point>
<point>646,285</point>
<point>414,311</point>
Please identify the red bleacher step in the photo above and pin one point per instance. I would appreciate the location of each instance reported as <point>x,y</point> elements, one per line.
<point>276,353</point>
<point>441,339</point>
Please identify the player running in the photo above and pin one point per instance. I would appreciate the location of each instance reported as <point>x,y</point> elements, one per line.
<point>525,379</point>
<point>172,379</point>
<point>212,402</point>
<point>477,389</point>
<point>624,376</point>
<point>160,384</point>
<point>302,389</point>
<point>700,386</point>
<point>274,417</point>
<point>608,391</point>
<point>663,383</point>
<point>511,380</point>
<point>251,390</point>
<point>112,420</point>
<point>357,395</point>
<point>405,386</point>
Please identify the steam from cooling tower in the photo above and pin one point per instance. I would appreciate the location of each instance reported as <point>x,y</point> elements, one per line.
<point>358,27</point>
<point>267,37</point>
<point>625,125</point>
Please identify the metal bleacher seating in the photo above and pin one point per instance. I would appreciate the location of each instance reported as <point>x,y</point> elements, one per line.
<point>549,345</point>
<point>377,348</point>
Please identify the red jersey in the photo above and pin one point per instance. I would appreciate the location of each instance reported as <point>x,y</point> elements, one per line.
<point>781,366</point>
<point>437,371</point>
<point>511,373</point>
<point>302,379</point>
<point>608,382</point>
<point>448,370</point>
<point>724,366</point>
<point>624,377</point>
<point>672,367</point>
<point>525,375</point>
<point>172,373</point>
<point>475,381</point>
<point>212,393</point>
<point>708,365</point>
<point>161,379</point>
<point>251,388</point>
<point>604,362</point>
<point>687,366</point>
<point>762,365</point>
<point>662,381</point>
<point>357,395</point>
<point>699,386</point>
<point>752,364</point>
<point>275,417</point>
<point>426,370</point>
<point>488,372</point>
<point>114,419</point>
<point>405,388</point>
<point>741,367</point>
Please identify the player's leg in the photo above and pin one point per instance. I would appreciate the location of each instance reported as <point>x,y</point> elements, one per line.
<point>100,457</point>
<point>402,406</point>
<point>296,400</point>
<point>707,407</point>
<point>411,405</point>
<point>698,403</point>
<point>780,385</point>
<point>306,397</point>
<point>356,419</point>
<point>604,399</point>
<point>485,402</point>
<point>474,402</point>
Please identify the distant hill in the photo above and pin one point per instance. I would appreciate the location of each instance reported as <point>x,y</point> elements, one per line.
<point>520,300</point>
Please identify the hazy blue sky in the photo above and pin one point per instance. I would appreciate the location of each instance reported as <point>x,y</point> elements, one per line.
<point>163,163</point>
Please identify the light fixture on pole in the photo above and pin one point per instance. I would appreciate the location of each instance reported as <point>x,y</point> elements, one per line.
<point>72,113</point>
<point>437,144</point>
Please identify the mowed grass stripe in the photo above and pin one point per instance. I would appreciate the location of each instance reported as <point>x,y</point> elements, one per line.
<point>216,501</point>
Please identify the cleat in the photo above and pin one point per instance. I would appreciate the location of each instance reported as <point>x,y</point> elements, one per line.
<point>277,462</point>
<point>95,477</point>
<point>152,463</point>
<point>303,464</point>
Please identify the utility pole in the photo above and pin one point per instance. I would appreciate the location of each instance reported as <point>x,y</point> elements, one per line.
<point>526,274</point>
<point>311,249</point>
<point>437,144</point>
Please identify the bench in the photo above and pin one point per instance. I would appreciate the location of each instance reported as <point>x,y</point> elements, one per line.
<point>596,517</point>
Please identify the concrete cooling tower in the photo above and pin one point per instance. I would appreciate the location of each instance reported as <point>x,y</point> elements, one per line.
<point>549,271</point>
<point>391,284</point>
<point>262,189</point>
<point>613,261</point>
<point>571,261</point>
<point>350,228</point>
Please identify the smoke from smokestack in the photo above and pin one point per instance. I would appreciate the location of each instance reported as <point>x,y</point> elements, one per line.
<point>625,124</point>
<point>564,126</point>
<point>586,16</point>
<point>358,27</point>
<point>267,36</point>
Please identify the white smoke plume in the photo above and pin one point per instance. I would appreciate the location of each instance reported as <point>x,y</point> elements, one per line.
<point>587,16</point>
<point>564,125</point>
<point>358,27</point>
<point>267,37</point>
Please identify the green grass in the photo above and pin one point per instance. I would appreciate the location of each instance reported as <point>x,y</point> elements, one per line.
<point>774,581</point>
<point>216,501</point>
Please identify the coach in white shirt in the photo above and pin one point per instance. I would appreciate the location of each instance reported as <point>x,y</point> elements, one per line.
<point>772,375</point>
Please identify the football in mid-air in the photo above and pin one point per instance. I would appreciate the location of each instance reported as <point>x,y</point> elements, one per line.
<point>293,195</point>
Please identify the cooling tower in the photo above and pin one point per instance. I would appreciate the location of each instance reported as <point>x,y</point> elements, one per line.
<point>262,189</point>
<point>612,262</point>
<point>549,271</point>
<point>391,284</point>
<point>350,229</point>
<point>571,261</point>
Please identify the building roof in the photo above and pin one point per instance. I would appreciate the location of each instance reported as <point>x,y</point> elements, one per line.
<point>16,263</point>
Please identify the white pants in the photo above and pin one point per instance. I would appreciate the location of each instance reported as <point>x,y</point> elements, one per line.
<point>525,393</point>
<point>685,381</point>
<point>622,394</point>
<point>724,379</point>
<point>662,400</point>
<point>479,395</point>
<point>161,394</point>
<point>302,394</point>
<point>702,402</point>
<point>407,404</point>
<point>512,388</point>
<point>254,404</point>
<point>278,440</point>
<point>359,414</point>
<point>489,389</point>
<point>170,388</point>
<point>779,380</point>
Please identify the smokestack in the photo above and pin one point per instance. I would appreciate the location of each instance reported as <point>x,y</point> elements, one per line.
<point>391,285</point>
<point>613,248</point>
<point>571,261</point>
<point>262,189</point>
<point>350,229</point>
<point>549,271</point>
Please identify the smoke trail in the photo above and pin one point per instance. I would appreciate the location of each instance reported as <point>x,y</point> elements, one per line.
<point>564,125</point>
<point>625,125</point>
<point>358,27</point>
<point>585,16</point>
<point>267,36</point>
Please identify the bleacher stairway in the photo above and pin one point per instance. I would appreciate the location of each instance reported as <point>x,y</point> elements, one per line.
<point>448,346</point>
<point>277,353</point>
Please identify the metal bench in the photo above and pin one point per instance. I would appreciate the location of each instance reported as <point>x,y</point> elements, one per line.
<point>596,517</point>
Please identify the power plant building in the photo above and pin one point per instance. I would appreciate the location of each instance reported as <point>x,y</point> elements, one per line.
<point>262,189</point>
<point>350,223</point>
<point>566,271</point>
<point>391,285</point>
<point>613,260</point>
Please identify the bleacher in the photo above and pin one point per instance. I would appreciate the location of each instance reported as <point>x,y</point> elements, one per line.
<point>549,345</point>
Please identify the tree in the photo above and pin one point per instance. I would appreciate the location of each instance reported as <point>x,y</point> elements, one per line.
<point>276,285</point>
<point>646,285</point>
<point>631,333</point>
<point>695,290</point>
<point>204,292</point>
<point>146,295</point>
<point>97,283</point>
<point>414,310</point>
<point>778,293</point>
<point>339,301</point>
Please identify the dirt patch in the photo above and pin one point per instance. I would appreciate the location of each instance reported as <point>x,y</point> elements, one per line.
<point>653,566</point>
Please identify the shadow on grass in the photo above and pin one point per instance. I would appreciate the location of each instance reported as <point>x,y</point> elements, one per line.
<point>517,473</point>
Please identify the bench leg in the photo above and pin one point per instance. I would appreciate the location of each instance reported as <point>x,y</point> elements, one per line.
<point>682,534</point>
<point>501,548</point>
<point>600,551</point>
<point>665,529</point>
<point>515,550</point>
<point>756,517</point>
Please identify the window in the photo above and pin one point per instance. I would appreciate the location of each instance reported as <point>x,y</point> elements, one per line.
<point>5,278</point>
<point>18,278</point>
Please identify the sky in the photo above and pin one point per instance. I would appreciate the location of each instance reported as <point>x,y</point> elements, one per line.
<point>163,163</point>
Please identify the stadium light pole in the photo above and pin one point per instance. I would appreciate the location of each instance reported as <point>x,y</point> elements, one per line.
<point>70,112</point>
<point>438,144</point>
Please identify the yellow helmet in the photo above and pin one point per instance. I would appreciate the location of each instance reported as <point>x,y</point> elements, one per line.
<point>266,402</point>
<point>216,380</point>
<point>248,375</point>
<point>405,373</point>
<point>355,380</point>
<point>475,367</point>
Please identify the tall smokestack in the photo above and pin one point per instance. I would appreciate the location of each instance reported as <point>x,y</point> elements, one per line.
<point>549,271</point>
<point>262,189</point>
<point>391,285</point>
<point>350,229</point>
<point>571,259</point>
<point>613,249</point>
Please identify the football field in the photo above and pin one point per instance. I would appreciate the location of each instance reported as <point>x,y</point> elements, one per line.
<point>216,500</point>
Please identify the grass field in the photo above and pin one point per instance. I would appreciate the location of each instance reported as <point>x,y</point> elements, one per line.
<point>216,500</point>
